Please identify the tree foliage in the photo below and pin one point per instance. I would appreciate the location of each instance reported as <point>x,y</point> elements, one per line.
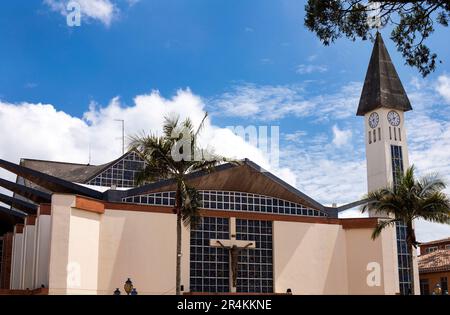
<point>413,22</point>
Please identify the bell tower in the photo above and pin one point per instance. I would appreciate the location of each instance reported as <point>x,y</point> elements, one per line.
<point>383,103</point>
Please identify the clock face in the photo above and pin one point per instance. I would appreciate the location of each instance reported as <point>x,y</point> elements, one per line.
<point>373,120</point>
<point>393,118</point>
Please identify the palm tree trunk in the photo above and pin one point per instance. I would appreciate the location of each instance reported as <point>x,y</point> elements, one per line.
<point>178,271</point>
<point>410,240</point>
<point>411,268</point>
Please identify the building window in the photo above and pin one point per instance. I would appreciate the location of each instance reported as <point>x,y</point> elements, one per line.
<point>379,134</point>
<point>121,174</point>
<point>424,287</point>
<point>395,134</point>
<point>447,246</point>
<point>231,201</point>
<point>444,285</point>
<point>255,267</point>
<point>431,249</point>
<point>370,137</point>
<point>390,133</point>
<point>399,135</point>
<point>403,251</point>
<point>209,266</point>
<point>374,135</point>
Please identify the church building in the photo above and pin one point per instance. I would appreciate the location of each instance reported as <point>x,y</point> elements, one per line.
<point>85,229</point>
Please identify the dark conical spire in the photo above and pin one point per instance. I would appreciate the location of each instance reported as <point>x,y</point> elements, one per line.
<point>382,86</point>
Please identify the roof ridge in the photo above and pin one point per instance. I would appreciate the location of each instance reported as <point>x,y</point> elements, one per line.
<point>59,162</point>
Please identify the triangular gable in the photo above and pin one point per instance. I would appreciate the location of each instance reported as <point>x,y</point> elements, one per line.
<point>120,173</point>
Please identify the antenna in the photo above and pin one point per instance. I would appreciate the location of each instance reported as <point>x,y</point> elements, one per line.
<point>89,162</point>
<point>123,134</point>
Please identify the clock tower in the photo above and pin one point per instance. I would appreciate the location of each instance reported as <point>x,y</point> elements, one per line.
<point>383,103</point>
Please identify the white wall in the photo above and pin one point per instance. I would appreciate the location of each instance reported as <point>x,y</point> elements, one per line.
<point>93,253</point>
<point>309,258</point>
<point>16,264</point>
<point>140,246</point>
<point>28,257</point>
<point>42,250</point>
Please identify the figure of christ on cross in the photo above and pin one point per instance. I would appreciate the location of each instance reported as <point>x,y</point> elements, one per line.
<point>234,250</point>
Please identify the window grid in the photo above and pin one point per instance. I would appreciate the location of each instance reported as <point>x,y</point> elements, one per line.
<point>403,252</point>
<point>209,266</point>
<point>121,174</point>
<point>255,266</point>
<point>231,201</point>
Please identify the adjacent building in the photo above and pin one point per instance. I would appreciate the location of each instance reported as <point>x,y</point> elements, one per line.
<point>434,267</point>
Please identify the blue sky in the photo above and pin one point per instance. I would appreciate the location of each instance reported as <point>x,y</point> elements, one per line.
<point>247,62</point>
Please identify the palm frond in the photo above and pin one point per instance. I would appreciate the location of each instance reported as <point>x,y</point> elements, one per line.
<point>382,224</point>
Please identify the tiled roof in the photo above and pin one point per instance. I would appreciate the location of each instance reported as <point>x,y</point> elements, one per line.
<point>436,261</point>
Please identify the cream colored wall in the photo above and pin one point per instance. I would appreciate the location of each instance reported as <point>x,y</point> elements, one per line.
<point>309,258</point>
<point>327,259</point>
<point>94,253</point>
<point>363,253</point>
<point>28,257</point>
<point>16,270</point>
<point>42,250</point>
<point>140,246</point>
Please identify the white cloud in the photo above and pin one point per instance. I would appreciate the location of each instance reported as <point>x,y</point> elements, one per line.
<point>271,102</point>
<point>309,68</point>
<point>104,11</point>
<point>46,133</point>
<point>341,137</point>
<point>443,87</point>
<point>296,136</point>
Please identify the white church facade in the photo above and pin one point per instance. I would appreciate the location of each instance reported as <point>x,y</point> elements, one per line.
<point>84,229</point>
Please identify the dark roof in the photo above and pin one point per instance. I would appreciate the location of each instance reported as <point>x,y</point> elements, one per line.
<point>71,172</point>
<point>19,204</point>
<point>8,219</point>
<point>444,240</point>
<point>27,192</point>
<point>382,86</point>
<point>436,261</point>
<point>49,182</point>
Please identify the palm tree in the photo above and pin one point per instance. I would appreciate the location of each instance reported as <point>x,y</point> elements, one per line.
<point>174,155</point>
<point>407,200</point>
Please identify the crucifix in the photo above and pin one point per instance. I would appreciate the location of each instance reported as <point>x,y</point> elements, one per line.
<point>234,247</point>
